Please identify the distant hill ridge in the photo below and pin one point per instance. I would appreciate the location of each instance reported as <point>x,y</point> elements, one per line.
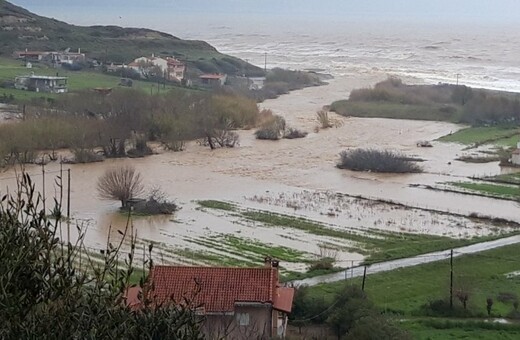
<point>21,29</point>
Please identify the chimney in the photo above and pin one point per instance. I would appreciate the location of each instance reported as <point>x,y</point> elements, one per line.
<point>79,50</point>
<point>269,262</point>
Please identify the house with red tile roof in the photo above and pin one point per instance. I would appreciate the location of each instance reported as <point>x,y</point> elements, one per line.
<point>236,303</point>
<point>213,79</point>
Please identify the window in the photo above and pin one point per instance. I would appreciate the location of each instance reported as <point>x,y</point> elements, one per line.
<point>243,319</point>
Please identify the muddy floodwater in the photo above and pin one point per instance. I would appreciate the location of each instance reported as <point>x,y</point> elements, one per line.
<point>296,177</point>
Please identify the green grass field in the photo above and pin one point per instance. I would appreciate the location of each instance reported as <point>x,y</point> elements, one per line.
<point>78,80</point>
<point>483,275</point>
<point>507,136</point>
<point>494,190</point>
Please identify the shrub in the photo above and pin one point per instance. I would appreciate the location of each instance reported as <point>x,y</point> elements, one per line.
<point>272,129</point>
<point>323,119</point>
<point>82,155</point>
<point>377,161</point>
<point>140,149</point>
<point>155,204</point>
<point>293,133</point>
<point>325,263</point>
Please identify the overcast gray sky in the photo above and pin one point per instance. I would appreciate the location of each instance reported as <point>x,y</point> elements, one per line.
<point>92,11</point>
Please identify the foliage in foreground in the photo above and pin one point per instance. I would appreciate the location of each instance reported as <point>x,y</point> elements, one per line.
<point>377,161</point>
<point>53,290</point>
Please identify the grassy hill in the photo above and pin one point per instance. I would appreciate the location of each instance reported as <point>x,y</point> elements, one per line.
<point>21,29</point>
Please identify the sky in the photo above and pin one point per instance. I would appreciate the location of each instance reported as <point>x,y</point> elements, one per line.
<point>94,11</point>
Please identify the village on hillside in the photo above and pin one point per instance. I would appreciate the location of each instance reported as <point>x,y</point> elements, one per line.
<point>153,68</point>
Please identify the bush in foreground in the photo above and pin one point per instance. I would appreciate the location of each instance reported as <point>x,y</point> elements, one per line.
<point>48,292</point>
<point>377,161</point>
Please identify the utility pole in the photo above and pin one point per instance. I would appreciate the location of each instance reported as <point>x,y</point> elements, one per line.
<point>451,279</point>
<point>265,62</point>
<point>43,183</point>
<point>458,74</point>
<point>68,193</point>
<point>364,278</point>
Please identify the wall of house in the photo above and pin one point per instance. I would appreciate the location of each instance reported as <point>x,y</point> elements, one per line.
<point>229,327</point>
<point>515,159</point>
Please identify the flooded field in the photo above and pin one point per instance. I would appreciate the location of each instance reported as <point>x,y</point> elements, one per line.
<point>294,178</point>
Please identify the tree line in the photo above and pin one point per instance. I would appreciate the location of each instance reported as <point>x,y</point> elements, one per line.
<point>122,123</point>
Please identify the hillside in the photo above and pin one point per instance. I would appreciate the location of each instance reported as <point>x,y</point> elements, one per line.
<point>21,29</point>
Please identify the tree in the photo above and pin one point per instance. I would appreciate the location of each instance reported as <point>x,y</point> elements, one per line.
<point>351,305</point>
<point>56,290</point>
<point>120,184</point>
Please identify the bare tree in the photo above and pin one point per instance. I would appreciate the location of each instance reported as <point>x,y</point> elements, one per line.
<point>120,184</point>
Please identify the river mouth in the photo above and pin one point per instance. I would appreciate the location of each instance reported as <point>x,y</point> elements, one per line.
<point>292,177</point>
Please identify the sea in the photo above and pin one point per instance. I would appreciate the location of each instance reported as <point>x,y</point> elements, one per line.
<point>485,56</point>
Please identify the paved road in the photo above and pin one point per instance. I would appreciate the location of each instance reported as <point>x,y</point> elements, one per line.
<point>408,262</point>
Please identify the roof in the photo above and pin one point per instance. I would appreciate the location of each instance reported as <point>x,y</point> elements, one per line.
<point>516,152</point>
<point>47,77</point>
<point>283,299</point>
<point>212,76</point>
<point>219,289</point>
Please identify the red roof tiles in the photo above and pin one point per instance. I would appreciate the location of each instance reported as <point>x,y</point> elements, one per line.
<point>218,289</point>
<point>212,76</point>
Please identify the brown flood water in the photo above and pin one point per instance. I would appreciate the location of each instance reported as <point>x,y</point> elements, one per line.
<point>289,167</point>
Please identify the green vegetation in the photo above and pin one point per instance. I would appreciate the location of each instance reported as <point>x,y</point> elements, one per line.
<point>375,244</point>
<point>513,178</point>
<point>122,123</point>
<point>350,314</point>
<point>493,190</point>
<point>461,104</point>
<point>446,329</point>
<point>410,293</point>
<point>377,161</point>
<point>212,204</point>
<point>501,135</point>
<point>393,110</point>
<point>78,80</point>
<point>45,294</point>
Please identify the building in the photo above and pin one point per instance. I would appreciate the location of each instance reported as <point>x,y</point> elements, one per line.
<point>256,83</point>
<point>46,84</point>
<point>31,55</point>
<point>236,303</point>
<point>176,69</point>
<point>515,157</point>
<point>67,57</point>
<point>213,79</point>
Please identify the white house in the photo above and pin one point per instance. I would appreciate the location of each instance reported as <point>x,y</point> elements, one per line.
<point>515,158</point>
<point>170,67</point>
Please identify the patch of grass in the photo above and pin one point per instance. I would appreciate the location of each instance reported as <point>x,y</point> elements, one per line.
<point>421,329</point>
<point>406,290</point>
<point>220,205</point>
<point>513,178</point>
<point>283,254</point>
<point>501,135</point>
<point>494,190</point>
